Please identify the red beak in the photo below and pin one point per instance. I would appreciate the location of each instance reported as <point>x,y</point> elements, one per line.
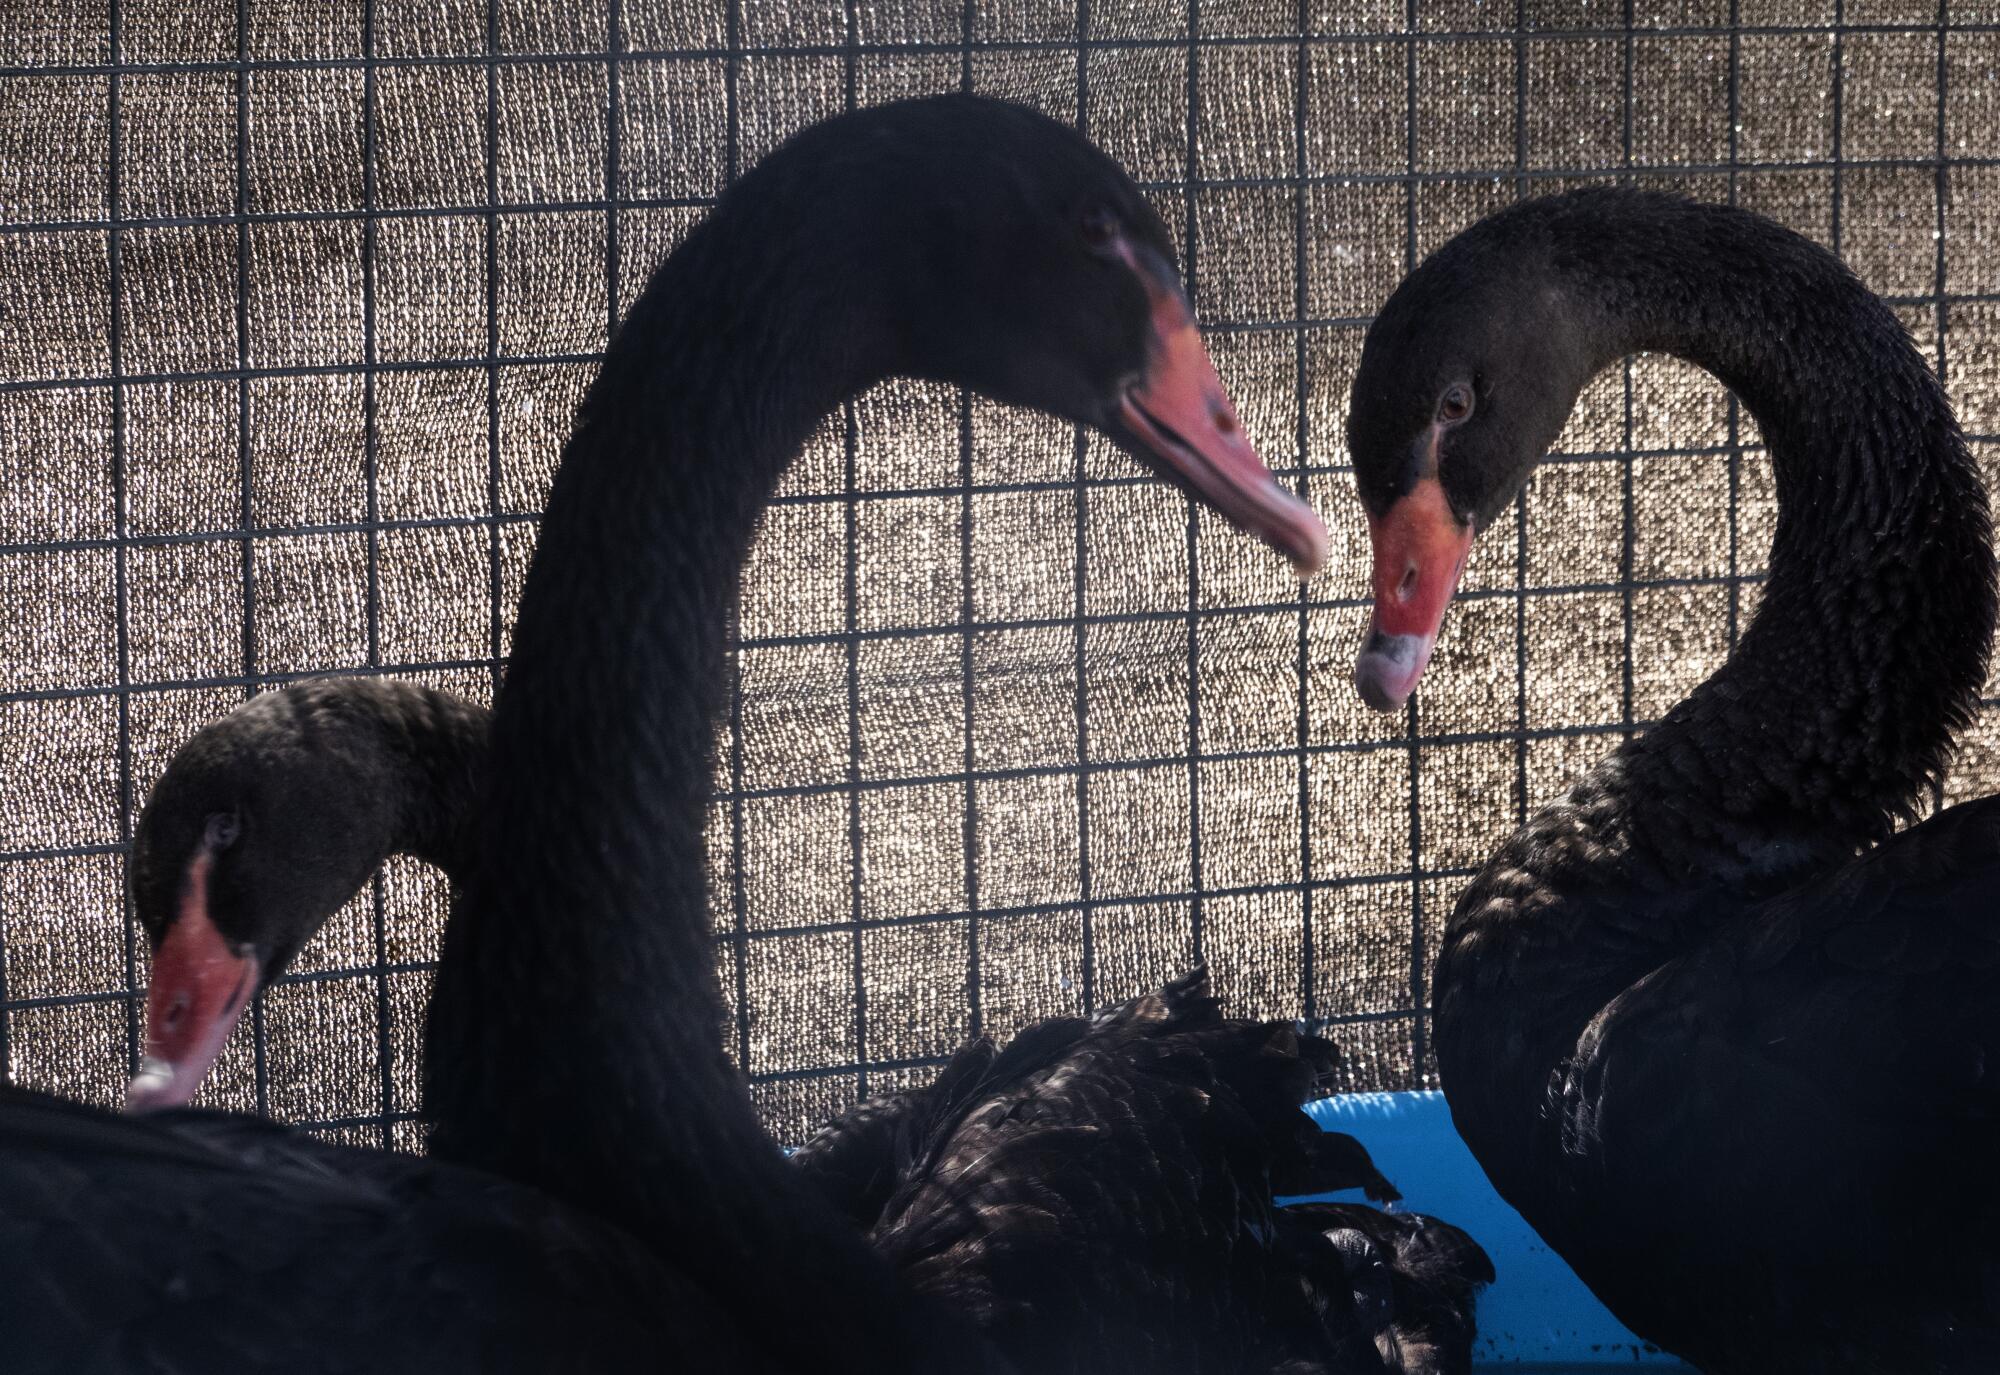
<point>1182,416</point>
<point>201,984</point>
<point>1420,550</point>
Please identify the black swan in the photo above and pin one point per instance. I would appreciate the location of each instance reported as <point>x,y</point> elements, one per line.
<point>1055,1191</point>
<point>264,824</point>
<point>1727,1038</point>
<point>572,1041</point>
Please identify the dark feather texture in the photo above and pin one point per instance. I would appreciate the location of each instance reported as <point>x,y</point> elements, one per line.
<point>572,1044</point>
<point>1720,1036</point>
<point>1209,1104</point>
<point>268,1250</point>
<point>1419,1275</point>
<point>1099,1197</point>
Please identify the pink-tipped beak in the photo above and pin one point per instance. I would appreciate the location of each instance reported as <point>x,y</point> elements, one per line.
<point>1420,550</point>
<point>1182,415</point>
<point>201,984</point>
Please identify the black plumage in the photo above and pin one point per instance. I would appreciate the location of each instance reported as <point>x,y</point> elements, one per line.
<point>1414,1278</point>
<point>1151,1136</point>
<point>264,1249</point>
<point>1098,1196</point>
<point>572,1045</point>
<point>320,782</point>
<point>1721,1036</point>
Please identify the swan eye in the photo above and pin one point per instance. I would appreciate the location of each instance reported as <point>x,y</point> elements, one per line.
<point>1098,227</point>
<point>221,831</point>
<point>1455,404</point>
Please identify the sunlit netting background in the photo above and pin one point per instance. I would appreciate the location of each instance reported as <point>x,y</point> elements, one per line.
<point>296,300</point>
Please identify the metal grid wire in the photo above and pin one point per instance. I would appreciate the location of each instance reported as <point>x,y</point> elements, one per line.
<point>300,295</point>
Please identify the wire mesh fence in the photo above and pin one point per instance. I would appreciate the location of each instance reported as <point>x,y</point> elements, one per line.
<point>299,298</point>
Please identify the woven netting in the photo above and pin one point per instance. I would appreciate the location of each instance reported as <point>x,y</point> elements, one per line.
<point>298,299</point>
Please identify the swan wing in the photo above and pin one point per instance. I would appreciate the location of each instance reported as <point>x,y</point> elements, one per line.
<point>1846,1032</point>
<point>1102,1198</point>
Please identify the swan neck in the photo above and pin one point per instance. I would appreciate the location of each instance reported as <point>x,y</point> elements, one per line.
<point>575,1037</point>
<point>441,742</point>
<point>1834,713</point>
<point>406,759</point>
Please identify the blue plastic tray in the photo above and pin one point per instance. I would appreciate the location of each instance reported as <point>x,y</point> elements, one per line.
<point>1536,1315</point>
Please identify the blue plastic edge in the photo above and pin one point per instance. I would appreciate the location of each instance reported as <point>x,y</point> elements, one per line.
<point>1537,1313</point>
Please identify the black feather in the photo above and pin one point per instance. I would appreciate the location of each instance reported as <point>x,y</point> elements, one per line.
<point>1715,1031</point>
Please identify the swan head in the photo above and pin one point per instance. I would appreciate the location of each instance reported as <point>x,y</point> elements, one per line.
<point>1466,377</point>
<point>1037,273</point>
<point>260,828</point>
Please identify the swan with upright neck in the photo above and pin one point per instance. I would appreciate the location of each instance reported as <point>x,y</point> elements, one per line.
<point>1722,1033</point>
<point>573,1068</point>
<point>952,238</point>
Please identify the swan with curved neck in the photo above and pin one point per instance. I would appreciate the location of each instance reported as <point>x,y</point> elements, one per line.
<point>1085,1196</point>
<point>572,1046</point>
<point>1706,1017</point>
<point>577,969</point>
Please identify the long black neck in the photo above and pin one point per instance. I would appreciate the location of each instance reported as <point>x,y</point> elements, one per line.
<point>410,759</point>
<point>439,742</point>
<point>1838,705</point>
<point>575,1037</point>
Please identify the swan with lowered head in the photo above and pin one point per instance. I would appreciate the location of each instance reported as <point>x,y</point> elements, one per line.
<point>1083,1194</point>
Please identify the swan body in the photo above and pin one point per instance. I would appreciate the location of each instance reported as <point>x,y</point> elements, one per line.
<point>1098,1196</point>
<point>572,1047</point>
<point>1727,1038</point>
<point>437,1268</point>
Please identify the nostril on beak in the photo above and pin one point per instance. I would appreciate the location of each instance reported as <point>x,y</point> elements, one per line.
<point>1225,420</point>
<point>1408,584</point>
<point>172,1018</point>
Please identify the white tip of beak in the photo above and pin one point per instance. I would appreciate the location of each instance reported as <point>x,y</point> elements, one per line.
<point>154,1087</point>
